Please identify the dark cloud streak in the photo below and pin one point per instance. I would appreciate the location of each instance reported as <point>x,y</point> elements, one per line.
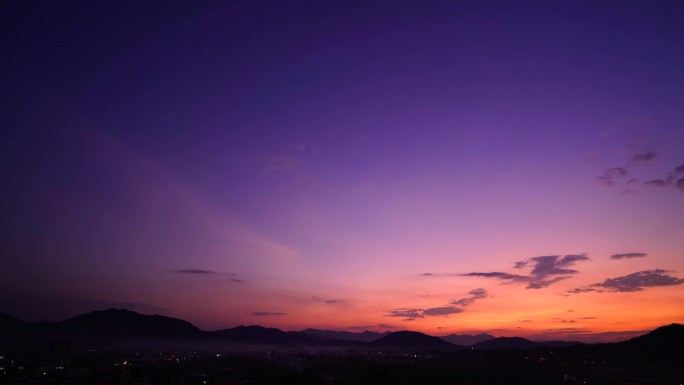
<point>442,311</point>
<point>475,295</point>
<point>267,313</point>
<point>628,255</point>
<point>545,270</point>
<point>195,271</point>
<point>632,282</point>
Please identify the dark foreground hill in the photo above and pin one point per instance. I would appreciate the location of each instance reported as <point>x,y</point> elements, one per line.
<point>507,343</point>
<point>7,322</point>
<point>521,343</point>
<point>123,328</point>
<point>412,340</point>
<point>125,323</point>
<point>331,335</point>
<point>465,339</point>
<point>664,344</point>
<point>256,334</point>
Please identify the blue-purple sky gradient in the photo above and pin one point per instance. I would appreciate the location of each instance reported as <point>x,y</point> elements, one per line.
<point>218,161</point>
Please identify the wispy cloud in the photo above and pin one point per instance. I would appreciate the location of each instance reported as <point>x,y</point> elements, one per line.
<point>628,255</point>
<point>267,313</point>
<point>369,327</point>
<point>411,314</point>
<point>155,186</point>
<point>474,295</point>
<point>500,275</point>
<point>333,301</point>
<point>555,265</point>
<point>195,271</point>
<point>646,156</point>
<point>237,280</point>
<point>442,311</point>
<point>406,313</point>
<point>640,156</point>
<point>673,179</point>
<point>609,177</point>
<point>632,282</point>
<point>544,270</point>
<point>658,182</point>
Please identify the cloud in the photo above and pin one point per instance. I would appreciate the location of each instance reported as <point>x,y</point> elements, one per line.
<point>609,176</point>
<point>542,283</point>
<point>267,313</point>
<point>657,182</point>
<point>500,275</point>
<point>639,280</point>
<point>333,301</point>
<point>368,327</point>
<point>411,314</point>
<point>632,282</point>
<point>427,274</point>
<point>195,271</point>
<point>407,314</point>
<point>643,157</point>
<point>237,280</point>
<point>554,265</point>
<point>545,270</point>
<point>474,295</point>
<point>579,290</point>
<point>627,255</point>
<point>671,180</point>
<point>442,311</point>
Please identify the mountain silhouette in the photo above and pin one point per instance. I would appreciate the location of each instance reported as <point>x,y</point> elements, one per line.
<point>116,326</point>
<point>507,343</point>
<point>411,340</point>
<point>365,336</point>
<point>256,334</point>
<point>466,339</point>
<point>121,322</point>
<point>670,335</point>
<point>7,322</point>
<point>664,344</point>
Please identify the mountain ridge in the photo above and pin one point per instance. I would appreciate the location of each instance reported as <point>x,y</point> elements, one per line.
<point>113,324</point>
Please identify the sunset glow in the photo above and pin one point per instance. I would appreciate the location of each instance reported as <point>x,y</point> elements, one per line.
<point>443,167</point>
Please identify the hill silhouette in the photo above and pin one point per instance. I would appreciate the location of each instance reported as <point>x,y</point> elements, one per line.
<point>466,339</point>
<point>121,322</point>
<point>115,325</point>
<point>256,334</point>
<point>521,343</point>
<point>507,343</point>
<point>669,335</point>
<point>664,344</point>
<point>7,322</point>
<point>365,336</point>
<point>411,340</point>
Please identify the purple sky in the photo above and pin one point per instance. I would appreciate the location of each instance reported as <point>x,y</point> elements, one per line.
<point>303,164</point>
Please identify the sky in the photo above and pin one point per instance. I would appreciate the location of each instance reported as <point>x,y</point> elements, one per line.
<point>513,168</point>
